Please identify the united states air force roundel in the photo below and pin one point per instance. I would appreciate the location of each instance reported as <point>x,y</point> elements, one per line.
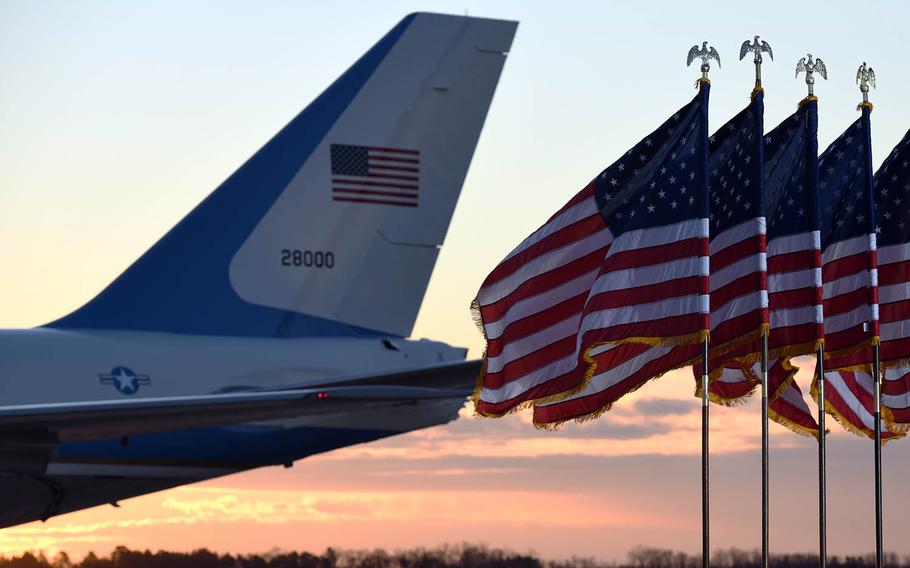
<point>124,380</point>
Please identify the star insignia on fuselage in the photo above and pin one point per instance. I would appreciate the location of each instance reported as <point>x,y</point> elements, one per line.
<point>124,380</point>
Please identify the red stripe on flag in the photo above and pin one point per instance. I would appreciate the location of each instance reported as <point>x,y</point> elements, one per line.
<point>535,323</point>
<point>797,298</point>
<point>376,201</point>
<point>543,282</point>
<point>410,196</point>
<point>840,267</point>
<point>670,327</point>
<point>794,261</point>
<point>393,168</point>
<point>846,302</point>
<point>393,159</point>
<point>521,366</point>
<point>393,150</point>
<point>732,328</point>
<point>745,285</point>
<point>737,251</point>
<point>646,294</point>
<point>893,273</point>
<point>337,181</point>
<point>372,175</point>
<point>561,383</point>
<point>585,405</point>
<point>794,335</point>
<point>650,256</point>
<point>566,236</point>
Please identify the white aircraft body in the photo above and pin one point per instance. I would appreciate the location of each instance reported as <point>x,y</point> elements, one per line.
<point>270,323</point>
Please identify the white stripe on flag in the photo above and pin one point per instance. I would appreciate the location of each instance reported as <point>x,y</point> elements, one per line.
<point>543,263</point>
<point>538,302</point>
<point>525,346</point>
<point>745,230</point>
<point>577,212</point>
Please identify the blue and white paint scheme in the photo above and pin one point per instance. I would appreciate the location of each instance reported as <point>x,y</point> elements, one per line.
<point>270,323</point>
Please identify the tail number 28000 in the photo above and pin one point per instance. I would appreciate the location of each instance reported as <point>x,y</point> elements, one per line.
<point>307,258</point>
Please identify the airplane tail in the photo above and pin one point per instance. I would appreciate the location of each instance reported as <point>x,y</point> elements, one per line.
<point>333,227</point>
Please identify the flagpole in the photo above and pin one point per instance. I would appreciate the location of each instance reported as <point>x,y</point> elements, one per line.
<point>765,492</point>
<point>705,512</point>
<point>705,54</point>
<point>865,77</point>
<point>822,481</point>
<point>877,381</point>
<point>757,48</point>
<point>810,66</point>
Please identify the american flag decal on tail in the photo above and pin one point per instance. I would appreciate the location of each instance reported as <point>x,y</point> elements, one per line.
<point>380,176</point>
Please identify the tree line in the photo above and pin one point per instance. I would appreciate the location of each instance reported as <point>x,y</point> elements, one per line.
<point>447,556</point>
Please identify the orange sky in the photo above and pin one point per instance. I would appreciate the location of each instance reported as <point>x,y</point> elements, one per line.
<point>118,118</point>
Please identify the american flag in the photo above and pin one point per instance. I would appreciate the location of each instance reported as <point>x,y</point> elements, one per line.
<point>849,399</point>
<point>647,312</point>
<point>375,175</point>
<point>739,299</point>
<point>891,188</point>
<point>624,260</point>
<point>794,240</point>
<point>849,241</point>
<point>892,230</point>
<point>793,252</point>
<point>850,276</point>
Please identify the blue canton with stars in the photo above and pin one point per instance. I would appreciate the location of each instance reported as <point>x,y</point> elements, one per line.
<point>662,179</point>
<point>735,168</point>
<point>790,186</point>
<point>892,196</point>
<point>844,183</point>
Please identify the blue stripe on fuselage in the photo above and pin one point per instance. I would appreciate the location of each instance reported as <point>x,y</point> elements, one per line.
<point>238,446</point>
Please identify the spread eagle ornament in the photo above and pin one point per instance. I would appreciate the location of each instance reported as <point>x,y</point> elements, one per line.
<point>705,53</point>
<point>757,48</point>
<point>810,67</point>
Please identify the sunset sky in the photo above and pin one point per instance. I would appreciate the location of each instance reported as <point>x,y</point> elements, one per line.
<point>117,118</point>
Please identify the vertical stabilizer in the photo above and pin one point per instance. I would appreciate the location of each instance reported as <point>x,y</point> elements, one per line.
<point>333,227</point>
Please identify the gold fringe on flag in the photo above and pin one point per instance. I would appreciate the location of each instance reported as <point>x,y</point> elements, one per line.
<point>846,424</point>
<point>728,402</point>
<point>556,397</point>
<point>797,350</point>
<point>896,427</point>
<point>868,342</point>
<point>674,341</point>
<point>727,346</point>
<point>785,384</point>
<point>792,426</point>
<point>807,100</point>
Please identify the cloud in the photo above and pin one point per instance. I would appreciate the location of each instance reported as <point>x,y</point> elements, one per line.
<point>664,406</point>
<point>445,472</point>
